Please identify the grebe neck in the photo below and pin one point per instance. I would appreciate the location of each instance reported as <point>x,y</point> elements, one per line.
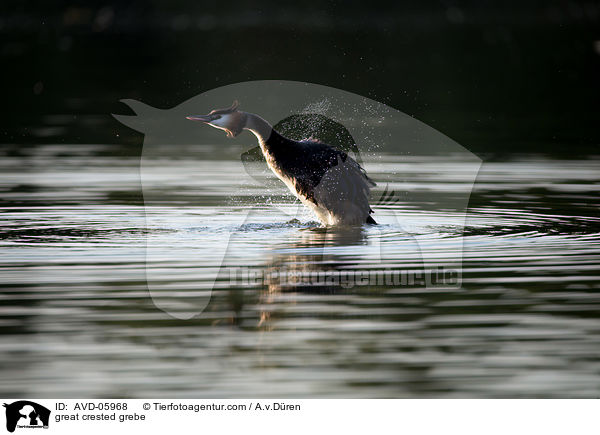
<point>260,128</point>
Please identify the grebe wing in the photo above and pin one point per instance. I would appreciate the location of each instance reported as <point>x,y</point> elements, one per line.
<point>321,157</point>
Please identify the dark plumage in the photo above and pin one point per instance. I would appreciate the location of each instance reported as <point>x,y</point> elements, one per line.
<point>305,162</point>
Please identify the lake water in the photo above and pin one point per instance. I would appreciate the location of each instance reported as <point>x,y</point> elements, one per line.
<point>78,318</point>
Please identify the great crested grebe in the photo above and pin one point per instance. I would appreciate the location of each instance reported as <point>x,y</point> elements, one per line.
<point>327,181</point>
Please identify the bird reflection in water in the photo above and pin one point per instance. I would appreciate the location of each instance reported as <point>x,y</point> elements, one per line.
<point>313,262</point>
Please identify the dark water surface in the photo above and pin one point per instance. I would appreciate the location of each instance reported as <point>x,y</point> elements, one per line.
<point>77,319</point>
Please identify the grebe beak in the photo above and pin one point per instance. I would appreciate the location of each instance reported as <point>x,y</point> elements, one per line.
<point>202,118</point>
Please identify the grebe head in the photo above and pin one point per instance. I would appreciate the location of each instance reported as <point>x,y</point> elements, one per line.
<point>229,120</point>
